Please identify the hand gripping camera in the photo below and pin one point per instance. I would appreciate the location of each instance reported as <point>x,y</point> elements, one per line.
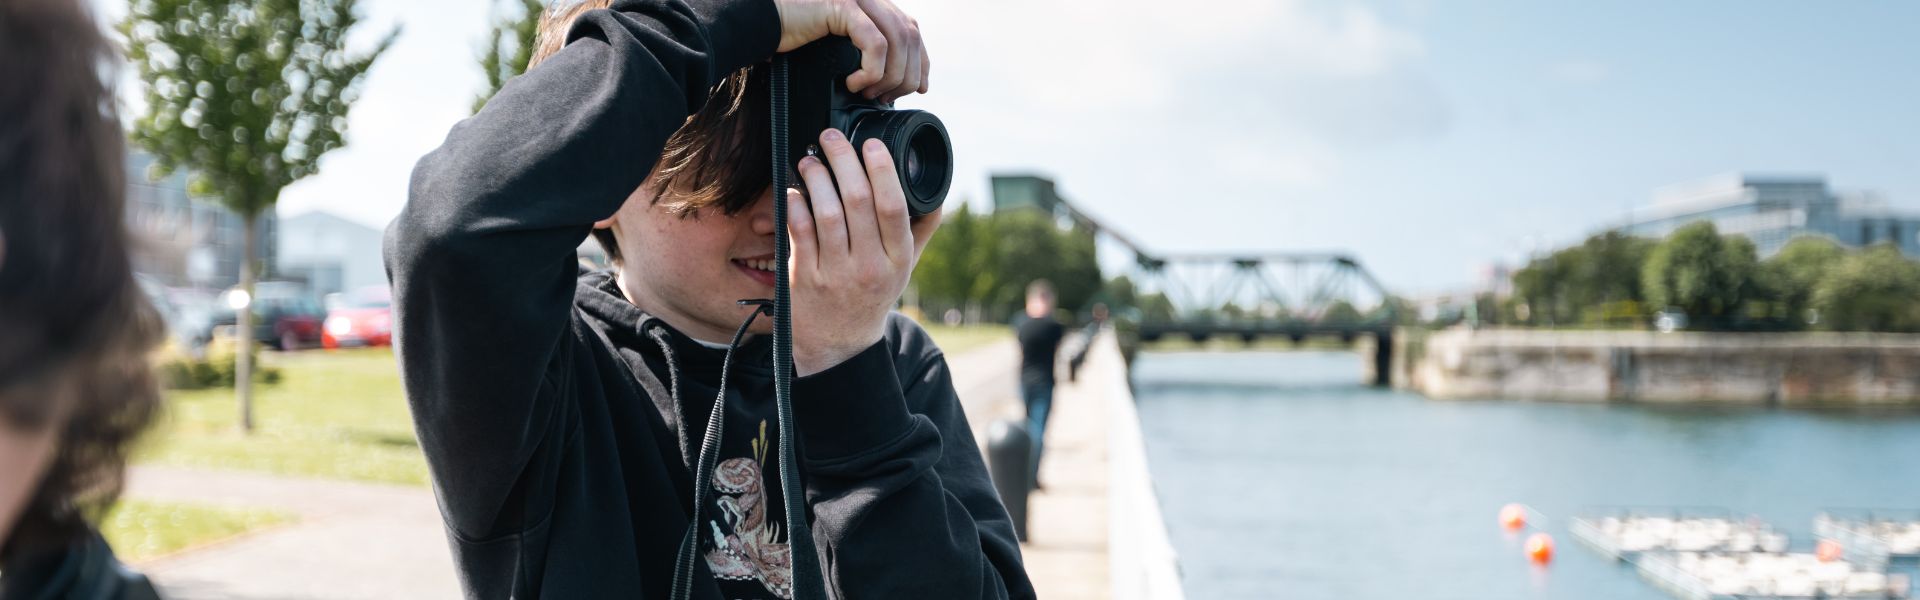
<point>818,99</point>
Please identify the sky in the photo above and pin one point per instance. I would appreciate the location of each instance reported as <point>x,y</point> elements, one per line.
<point>1428,139</point>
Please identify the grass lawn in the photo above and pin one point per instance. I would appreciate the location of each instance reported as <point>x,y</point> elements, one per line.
<point>336,414</point>
<point>141,529</point>
<point>958,340</point>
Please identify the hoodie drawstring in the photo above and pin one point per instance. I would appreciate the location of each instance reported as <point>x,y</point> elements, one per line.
<point>709,452</point>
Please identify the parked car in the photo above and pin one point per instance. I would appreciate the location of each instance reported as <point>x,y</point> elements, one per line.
<point>363,317</point>
<point>285,315</point>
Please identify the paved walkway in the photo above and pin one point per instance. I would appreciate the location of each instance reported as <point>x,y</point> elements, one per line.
<point>1066,549</point>
<point>361,540</point>
<point>352,540</point>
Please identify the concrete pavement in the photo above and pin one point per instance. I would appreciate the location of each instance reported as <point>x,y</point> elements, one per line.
<point>352,540</point>
<point>1066,548</point>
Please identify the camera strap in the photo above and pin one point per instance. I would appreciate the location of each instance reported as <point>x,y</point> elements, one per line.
<point>809,582</point>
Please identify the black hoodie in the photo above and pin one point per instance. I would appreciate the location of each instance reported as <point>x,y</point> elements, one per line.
<point>560,422</point>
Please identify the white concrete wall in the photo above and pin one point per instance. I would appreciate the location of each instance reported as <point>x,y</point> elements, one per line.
<point>1143,564</point>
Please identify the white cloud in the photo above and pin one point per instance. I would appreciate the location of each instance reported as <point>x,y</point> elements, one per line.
<point>1131,104</point>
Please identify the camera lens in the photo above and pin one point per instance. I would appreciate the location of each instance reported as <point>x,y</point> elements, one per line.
<point>913,167</point>
<point>921,151</point>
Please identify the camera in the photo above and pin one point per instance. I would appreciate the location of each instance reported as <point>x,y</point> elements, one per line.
<point>818,99</point>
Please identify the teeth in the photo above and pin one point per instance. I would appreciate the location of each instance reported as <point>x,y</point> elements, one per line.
<point>764,265</point>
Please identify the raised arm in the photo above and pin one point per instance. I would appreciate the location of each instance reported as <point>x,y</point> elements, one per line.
<point>482,257</point>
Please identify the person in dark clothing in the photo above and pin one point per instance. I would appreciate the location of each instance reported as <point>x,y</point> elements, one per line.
<point>75,326</point>
<point>1039,334</point>
<point>564,413</point>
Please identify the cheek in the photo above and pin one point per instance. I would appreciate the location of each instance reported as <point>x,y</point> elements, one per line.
<point>687,249</point>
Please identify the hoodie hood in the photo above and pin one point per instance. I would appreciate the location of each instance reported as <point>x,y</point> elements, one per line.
<point>631,329</point>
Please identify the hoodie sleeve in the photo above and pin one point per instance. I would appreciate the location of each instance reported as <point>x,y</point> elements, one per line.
<point>482,257</point>
<point>902,504</point>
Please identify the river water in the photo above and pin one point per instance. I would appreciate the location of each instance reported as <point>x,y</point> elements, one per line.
<point>1282,477</point>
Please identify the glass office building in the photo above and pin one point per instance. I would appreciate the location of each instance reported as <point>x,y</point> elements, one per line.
<point>1772,210</point>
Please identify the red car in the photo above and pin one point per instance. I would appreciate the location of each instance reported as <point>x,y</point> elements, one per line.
<point>363,317</point>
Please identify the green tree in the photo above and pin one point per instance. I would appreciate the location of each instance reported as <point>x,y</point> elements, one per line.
<point>1705,275</point>
<point>1156,308</point>
<point>1546,287</point>
<point>246,96</point>
<point>1121,293</point>
<point>1876,289</point>
<point>1077,271</point>
<point>1028,247</point>
<point>1591,283</point>
<point>1231,312</point>
<point>1794,274</point>
<point>957,269</point>
<point>1606,281</point>
<point>1341,312</point>
<point>509,47</point>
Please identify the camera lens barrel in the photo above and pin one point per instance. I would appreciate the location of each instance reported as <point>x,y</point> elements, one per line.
<point>922,153</point>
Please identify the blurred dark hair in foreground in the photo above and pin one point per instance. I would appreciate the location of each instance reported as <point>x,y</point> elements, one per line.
<point>74,327</point>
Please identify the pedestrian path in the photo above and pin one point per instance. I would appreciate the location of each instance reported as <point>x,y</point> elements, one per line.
<point>352,540</point>
<point>1066,548</point>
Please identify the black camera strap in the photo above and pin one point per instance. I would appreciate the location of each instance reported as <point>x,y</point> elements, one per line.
<point>808,580</point>
<point>809,583</point>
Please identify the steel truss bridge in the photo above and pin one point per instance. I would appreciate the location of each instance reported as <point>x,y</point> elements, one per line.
<point>1253,295</point>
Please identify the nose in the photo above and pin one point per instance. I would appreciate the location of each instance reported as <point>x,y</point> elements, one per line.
<point>760,216</point>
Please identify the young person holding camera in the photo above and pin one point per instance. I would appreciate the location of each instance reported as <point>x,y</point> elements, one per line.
<point>562,412</point>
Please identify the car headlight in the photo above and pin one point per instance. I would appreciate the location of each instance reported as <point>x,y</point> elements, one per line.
<point>339,326</point>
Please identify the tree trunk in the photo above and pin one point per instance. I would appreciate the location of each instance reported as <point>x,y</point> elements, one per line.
<point>243,346</point>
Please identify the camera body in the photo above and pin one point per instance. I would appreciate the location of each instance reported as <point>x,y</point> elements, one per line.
<point>818,99</point>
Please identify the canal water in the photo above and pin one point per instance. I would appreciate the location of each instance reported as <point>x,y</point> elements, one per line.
<point>1282,477</point>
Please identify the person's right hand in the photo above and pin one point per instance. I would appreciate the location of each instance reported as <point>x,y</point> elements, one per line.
<point>893,62</point>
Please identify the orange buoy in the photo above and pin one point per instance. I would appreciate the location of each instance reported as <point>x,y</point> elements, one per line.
<point>1828,551</point>
<point>1513,516</point>
<point>1540,548</point>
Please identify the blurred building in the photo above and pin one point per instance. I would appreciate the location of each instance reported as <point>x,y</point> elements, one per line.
<point>182,241</point>
<point>1772,210</point>
<point>330,253</point>
<point>1012,192</point>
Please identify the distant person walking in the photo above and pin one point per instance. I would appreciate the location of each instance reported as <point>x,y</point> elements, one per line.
<point>1040,336</point>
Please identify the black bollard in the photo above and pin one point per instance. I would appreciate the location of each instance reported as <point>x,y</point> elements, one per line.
<point>1009,450</point>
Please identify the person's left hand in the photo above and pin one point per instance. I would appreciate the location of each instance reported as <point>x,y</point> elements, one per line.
<point>854,248</point>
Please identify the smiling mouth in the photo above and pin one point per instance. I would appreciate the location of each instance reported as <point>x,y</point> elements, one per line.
<point>758,264</point>
<point>760,270</point>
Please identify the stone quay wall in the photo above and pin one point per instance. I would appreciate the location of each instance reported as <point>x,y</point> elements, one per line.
<point>1757,369</point>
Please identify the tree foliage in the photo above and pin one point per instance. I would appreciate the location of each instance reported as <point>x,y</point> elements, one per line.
<point>1585,283</point>
<point>245,95</point>
<point>958,267</point>
<point>1811,283</point>
<point>986,261</point>
<point>1792,275</point>
<point>1876,289</point>
<point>1702,274</point>
<point>509,48</point>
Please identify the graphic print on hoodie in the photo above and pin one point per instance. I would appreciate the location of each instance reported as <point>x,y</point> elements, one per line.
<point>748,543</point>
